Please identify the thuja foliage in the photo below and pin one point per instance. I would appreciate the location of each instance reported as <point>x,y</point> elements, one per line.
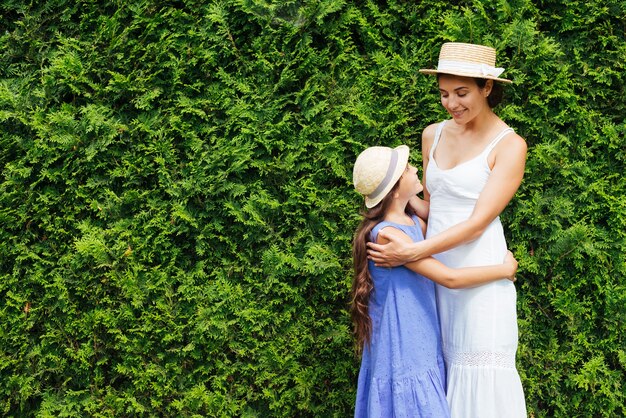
<point>176,207</point>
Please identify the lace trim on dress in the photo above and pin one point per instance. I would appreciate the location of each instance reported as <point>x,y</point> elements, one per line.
<point>481,359</point>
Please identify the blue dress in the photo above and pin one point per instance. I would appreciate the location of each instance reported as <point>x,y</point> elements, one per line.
<point>402,370</point>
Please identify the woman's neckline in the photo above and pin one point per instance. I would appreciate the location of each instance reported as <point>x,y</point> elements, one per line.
<point>438,141</point>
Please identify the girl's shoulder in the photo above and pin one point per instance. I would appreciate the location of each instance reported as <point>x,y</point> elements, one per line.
<point>399,231</point>
<point>391,229</point>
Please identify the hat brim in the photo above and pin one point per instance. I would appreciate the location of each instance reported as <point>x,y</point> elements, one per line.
<point>462,74</point>
<point>403,160</point>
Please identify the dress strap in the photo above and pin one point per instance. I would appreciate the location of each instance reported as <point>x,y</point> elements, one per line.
<point>497,139</point>
<point>436,141</point>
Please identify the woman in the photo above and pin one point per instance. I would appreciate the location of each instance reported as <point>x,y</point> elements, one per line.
<point>473,165</point>
<point>394,309</point>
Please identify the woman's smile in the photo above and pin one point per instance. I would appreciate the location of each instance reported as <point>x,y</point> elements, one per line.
<point>457,114</point>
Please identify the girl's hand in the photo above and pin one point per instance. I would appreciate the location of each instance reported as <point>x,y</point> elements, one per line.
<point>511,263</point>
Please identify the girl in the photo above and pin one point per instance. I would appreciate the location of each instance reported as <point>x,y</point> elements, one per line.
<point>393,309</point>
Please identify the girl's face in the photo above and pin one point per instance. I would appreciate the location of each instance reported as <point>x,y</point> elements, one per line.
<point>410,184</point>
<point>462,97</point>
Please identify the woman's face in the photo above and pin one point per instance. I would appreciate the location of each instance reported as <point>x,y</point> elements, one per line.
<point>462,97</point>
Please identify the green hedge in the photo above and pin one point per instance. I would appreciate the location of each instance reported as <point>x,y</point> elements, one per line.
<point>176,206</point>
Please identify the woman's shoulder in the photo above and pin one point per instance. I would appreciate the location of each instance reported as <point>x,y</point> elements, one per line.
<point>431,129</point>
<point>512,141</point>
<point>507,140</point>
<point>501,127</point>
<point>428,135</point>
<point>509,152</point>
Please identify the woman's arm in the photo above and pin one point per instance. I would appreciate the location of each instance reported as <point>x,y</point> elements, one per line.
<point>506,176</point>
<point>456,278</point>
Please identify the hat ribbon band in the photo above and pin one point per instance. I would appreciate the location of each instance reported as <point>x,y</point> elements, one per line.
<point>388,176</point>
<point>465,67</point>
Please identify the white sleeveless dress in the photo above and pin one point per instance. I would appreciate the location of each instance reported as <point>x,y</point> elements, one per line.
<point>478,325</point>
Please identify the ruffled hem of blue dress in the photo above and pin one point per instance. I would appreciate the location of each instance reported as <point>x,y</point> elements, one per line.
<point>421,396</point>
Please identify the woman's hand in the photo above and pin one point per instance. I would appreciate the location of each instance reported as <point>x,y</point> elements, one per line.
<point>392,254</point>
<point>511,263</point>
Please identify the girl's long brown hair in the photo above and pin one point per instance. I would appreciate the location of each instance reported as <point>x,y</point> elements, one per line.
<point>362,284</point>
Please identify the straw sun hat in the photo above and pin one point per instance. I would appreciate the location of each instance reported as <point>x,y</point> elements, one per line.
<point>376,170</point>
<point>468,60</point>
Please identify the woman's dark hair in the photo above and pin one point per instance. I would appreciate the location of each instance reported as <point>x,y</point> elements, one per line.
<point>362,284</point>
<point>495,97</point>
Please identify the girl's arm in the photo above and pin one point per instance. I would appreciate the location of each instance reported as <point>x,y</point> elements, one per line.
<point>455,278</point>
<point>506,176</point>
<point>420,206</point>
<point>459,278</point>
